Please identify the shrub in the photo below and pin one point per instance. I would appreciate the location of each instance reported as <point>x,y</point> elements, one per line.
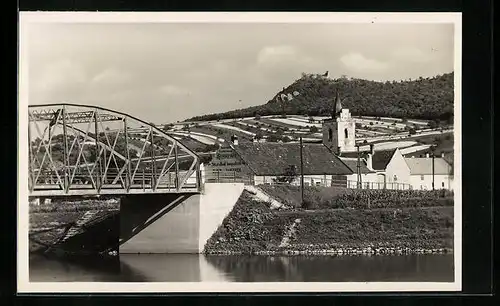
<point>332,198</point>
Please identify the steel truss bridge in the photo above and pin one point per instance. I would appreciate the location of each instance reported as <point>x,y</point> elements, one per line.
<point>89,150</point>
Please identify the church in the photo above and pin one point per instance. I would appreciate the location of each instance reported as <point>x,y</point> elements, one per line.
<point>339,131</point>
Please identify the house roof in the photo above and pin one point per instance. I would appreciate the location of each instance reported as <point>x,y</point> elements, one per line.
<point>352,163</point>
<point>381,158</point>
<point>273,158</point>
<point>422,166</point>
<point>353,154</point>
<point>449,157</point>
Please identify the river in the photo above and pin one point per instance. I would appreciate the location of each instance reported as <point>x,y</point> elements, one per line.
<point>195,268</point>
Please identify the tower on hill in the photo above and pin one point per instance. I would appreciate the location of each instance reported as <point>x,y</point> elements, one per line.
<point>339,130</point>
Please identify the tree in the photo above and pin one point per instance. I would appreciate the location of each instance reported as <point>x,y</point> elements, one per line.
<point>273,138</point>
<point>257,117</point>
<point>285,139</point>
<point>313,129</point>
<point>432,124</point>
<point>412,131</point>
<point>168,127</point>
<point>289,175</point>
<point>258,135</point>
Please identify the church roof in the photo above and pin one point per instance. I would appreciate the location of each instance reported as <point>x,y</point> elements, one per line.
<point>273,158</point>
<point>338,104</point>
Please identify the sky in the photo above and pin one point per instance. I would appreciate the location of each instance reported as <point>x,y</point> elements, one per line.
<point>165,72</point>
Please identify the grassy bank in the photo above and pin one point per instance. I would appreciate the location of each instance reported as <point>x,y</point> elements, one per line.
<point>253,228</point>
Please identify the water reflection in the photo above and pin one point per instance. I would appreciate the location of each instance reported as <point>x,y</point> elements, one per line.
<point>423,268</point>
<point>196,268</point>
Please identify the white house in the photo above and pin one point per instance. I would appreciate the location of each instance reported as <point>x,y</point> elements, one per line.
<point>391,168</point>
<point>388,169</point>
<point>425,170</point>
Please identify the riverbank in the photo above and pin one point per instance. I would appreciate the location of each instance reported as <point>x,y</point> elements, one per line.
<point>353,227</point>
<point>69,227</point>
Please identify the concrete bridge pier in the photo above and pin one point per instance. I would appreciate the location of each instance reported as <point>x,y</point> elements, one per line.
<point>174,223</point>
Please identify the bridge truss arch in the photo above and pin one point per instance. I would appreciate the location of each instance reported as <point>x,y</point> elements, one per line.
<point>89,150</point>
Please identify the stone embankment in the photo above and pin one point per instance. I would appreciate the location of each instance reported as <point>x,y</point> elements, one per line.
<point>339,252</point>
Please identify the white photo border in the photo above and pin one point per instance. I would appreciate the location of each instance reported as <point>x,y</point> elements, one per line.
<point>27,18</point>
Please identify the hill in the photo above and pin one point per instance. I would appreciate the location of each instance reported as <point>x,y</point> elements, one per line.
<point>423,98</point>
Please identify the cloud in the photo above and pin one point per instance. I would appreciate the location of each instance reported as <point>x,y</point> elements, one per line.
<point>408,54</point>
<point>212,69</point>
<point>112,76</point>
<point>59,75</point>
<point>173,90</point>
<point>358,62</point>
<point>283,54</point>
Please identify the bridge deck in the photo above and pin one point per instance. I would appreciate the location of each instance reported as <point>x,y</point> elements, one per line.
<point>80,192</point>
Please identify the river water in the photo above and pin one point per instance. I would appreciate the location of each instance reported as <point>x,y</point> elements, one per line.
<point>195,268</point>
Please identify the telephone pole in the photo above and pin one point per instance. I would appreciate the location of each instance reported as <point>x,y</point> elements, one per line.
<point>301,172</point>
<point>432,152</point>
<point>358,170</point>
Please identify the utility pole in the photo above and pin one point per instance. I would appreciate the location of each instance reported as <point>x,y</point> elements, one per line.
<point>283,107</point>
<point>433,149</point>
<point>358,170</point>
<point>301,172</point>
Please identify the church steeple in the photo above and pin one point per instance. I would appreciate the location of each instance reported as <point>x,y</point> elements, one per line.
<point>339,132</point>
<point>337,107</point>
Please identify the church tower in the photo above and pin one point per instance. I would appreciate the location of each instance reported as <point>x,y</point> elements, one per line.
<point>339,130</point>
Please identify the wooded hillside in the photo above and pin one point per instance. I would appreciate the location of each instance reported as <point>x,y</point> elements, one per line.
<point>423,98</point>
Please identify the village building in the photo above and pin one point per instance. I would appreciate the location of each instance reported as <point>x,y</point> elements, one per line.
<point>391,168</point>
<point>367,176</point>
<point>258,163</point>
<point>387,168</point>
<point>426,170</point>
